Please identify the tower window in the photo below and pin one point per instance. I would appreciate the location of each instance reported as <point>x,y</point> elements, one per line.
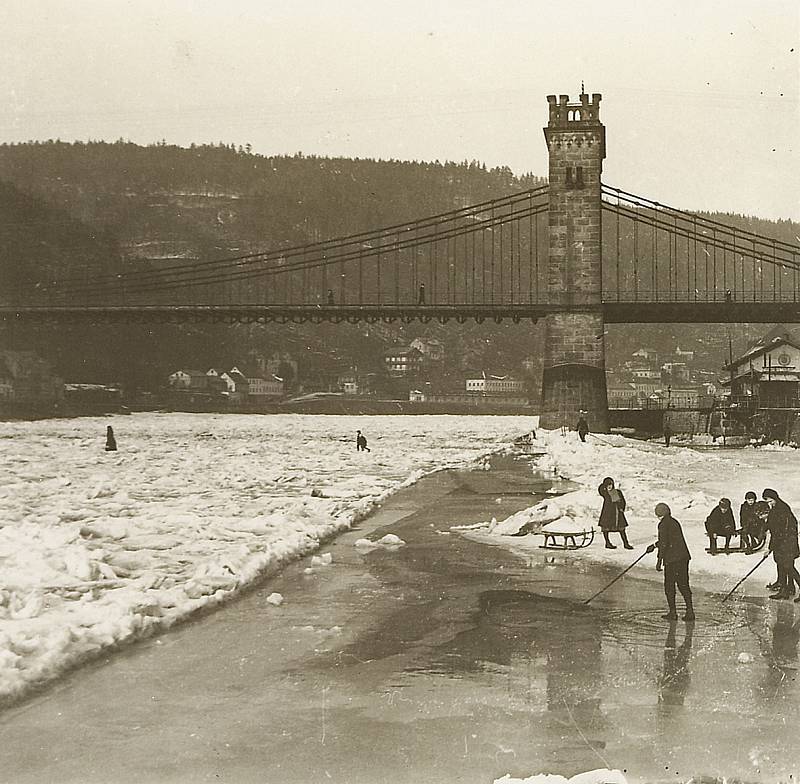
<point>579,176</point>
<point>569,175</point>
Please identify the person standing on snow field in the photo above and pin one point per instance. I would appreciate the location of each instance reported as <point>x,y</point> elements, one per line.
<point>111,442</point>
<point>720,522</point>
<point>361,442</point>
<point>612,515</point>
<point>582,427</point>
<point>674,555</point>
<point>667,433</point>
<point>782,527</point>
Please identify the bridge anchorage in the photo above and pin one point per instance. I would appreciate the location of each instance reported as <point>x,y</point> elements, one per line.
<point>576,253</point>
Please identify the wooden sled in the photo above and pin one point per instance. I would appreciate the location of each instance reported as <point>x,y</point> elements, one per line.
<point>759,545</point>
<point>556,540</point>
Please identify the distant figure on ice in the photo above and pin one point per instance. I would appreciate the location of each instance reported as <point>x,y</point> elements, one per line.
<point>582,427</point>
<point>361,442</point>
<point>752,519</point>
<point>720,522</point>
<point>612,515</point>
<point>330,296</point>
<point>421,298</point>
<point>111,442</point>
<point>782,527</point>
<point>674,555</point>
<point>667,433</point>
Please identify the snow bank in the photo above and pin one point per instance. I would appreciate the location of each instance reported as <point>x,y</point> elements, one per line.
<point>600,776</point>
<point>97,548</point>
<point>690,481</point>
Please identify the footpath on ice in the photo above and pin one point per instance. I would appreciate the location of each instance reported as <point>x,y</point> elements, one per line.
<point>690,481</point>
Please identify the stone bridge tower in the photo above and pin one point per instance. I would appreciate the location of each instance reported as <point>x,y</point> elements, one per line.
<point>574,355</point>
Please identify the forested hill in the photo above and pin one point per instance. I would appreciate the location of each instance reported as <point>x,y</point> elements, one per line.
<point>165,202</point>
<point>207,197</point>
<point>71,208</point>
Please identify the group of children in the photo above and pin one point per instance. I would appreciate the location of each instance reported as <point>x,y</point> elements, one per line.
<point>756,518</point>
<point>752,529</point>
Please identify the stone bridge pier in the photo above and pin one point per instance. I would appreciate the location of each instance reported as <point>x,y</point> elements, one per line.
<point>574,356</point>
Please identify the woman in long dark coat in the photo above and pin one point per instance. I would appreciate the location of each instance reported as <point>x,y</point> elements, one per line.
<point>612,515</point>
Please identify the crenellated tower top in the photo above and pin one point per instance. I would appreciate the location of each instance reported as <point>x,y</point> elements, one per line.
<point>575,123</point>
<point>564,114</point>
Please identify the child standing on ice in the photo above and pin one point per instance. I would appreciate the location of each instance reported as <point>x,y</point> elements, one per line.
<point>582,427</point>
<point>111,442</point>
<point>674,555</point>
<point>612,515</point>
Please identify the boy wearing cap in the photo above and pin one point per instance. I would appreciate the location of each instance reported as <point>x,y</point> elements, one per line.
<point>674,554</point>
<point>720,522</point>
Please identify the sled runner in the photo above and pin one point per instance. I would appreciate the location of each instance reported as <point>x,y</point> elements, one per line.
<point>759,545</point>
<point>528,446</point>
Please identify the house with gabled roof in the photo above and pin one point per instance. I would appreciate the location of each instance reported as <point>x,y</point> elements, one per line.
<point>767,374</point>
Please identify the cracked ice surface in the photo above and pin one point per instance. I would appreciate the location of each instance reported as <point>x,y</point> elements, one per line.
<point>97,548</point>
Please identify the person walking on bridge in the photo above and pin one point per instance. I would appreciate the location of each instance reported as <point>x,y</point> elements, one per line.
<point>675,556</point>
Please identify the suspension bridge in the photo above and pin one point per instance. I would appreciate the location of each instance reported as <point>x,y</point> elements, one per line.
<point>576,252</point>
<point>486,261</point>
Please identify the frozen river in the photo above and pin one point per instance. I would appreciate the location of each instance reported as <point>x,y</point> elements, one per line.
<point>97,548</point>
<point>442,661</point>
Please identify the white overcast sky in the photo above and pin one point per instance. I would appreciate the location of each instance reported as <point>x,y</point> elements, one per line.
<point>701,99</point>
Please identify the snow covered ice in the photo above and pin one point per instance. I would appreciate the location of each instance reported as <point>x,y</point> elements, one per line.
<point>601,776</point>
<point>690,481</point>
<point>97,548</point>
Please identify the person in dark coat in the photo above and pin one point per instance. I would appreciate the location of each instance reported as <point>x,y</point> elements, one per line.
<point>612,515</point>
<point>111,442</point>
<point>582,427</point>
<point>361,442</point>
<point>675,556</point>
<point>752,519</point>
<point>667,433</point>
<point>720,522</point>
<point>782,527</point>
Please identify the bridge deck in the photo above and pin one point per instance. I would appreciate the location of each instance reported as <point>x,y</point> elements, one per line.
<point>615,312</point>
